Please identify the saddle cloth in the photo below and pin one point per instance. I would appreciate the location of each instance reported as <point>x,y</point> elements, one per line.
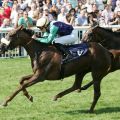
<point>76,50</point>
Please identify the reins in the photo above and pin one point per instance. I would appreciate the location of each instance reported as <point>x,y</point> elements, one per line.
<point>29,42</point>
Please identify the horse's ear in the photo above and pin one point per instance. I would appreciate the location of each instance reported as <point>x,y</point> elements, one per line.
<point>96,24</point>
<point>21,27</point>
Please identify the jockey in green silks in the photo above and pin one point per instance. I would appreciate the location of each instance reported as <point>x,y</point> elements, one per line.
<point>56,32</point>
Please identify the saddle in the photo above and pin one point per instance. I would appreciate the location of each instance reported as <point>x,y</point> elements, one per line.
<point>75,51</point>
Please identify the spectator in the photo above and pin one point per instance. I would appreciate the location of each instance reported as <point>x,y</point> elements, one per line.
<point>100,4</point>
<point>39,3</point>
<point>54,1</point>
<point>59,4</point>
<point>47,14</point>
<point>1,15</point>
<point>113,20</point>
<point>117,19</point>
<point>77,10</point>
<point>54,8</point>
<point>7,9</point>
<point>27,9</point>
<point>35,16</point>
<point>117,6</point>
<point>20,4</point>
<point>14,13</point>
<point>27,3</point>
<point>40,13</point>
<point>102,21</point>
<point>81,19</point>
<point>93,17</point>
<point>112,3</point>
<point>47,4</point>
<point>88,6</point>
<point>74,3</point>
<point>1,19</point>
<point>19,15</point>
<point>68,7</point>
<point>10,3</point>
<point>33,7</point>
<point>61,15</point>
<point>6,23</point>
<point>33,13</point>
<point>106,13</point>
<point>70,17</point>
<point>25,20</point>
<point>0,3</point>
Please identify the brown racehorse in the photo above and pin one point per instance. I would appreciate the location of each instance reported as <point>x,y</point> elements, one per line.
<point>46,64</point>
<point>106,37</point>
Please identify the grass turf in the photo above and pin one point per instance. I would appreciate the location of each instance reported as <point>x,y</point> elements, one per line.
<point>73,106</point>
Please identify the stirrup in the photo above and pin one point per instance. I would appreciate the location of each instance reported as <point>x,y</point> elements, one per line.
<point>69,56</point>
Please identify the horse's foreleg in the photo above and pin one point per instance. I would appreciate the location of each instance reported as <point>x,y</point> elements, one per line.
<point>33,80</point>
<point>25,92</point>
<point>76,86</point>
<point>8,99</point>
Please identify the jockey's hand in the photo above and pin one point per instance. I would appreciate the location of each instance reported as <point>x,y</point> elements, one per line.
<point>34,36</point>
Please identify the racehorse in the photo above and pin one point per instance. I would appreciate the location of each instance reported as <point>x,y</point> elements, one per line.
<point>46,64</point>
<point>106,37</point>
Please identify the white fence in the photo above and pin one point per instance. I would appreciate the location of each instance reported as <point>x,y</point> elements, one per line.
<point>20,52</point>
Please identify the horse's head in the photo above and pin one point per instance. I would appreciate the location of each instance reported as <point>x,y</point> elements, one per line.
<point>91,35</point>
<point>16,37</point>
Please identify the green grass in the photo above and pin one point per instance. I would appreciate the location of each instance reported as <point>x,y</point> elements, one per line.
<point>73,106</point>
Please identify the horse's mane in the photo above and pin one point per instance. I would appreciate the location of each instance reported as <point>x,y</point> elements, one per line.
<point>109,30</point>
<point>28,31</point>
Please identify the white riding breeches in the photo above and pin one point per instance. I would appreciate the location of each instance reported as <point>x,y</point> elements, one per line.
<point>68,39</point>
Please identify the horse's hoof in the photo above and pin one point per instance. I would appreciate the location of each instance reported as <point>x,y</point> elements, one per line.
<point>91,111</point>
<point>31,98</point>
<point>78,90</point>
<point>55,98</point>
<point>3,105</point>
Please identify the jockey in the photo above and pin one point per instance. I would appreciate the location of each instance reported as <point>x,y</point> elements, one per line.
<point>56,32</point>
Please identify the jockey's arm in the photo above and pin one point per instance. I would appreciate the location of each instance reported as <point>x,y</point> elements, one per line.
<point>51,35</point>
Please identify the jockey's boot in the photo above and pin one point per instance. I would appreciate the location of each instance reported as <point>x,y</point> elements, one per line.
<point>66,52</point>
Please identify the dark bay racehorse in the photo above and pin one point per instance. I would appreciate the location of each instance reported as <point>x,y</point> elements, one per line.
<point>46,64</point>
<point>106,37</point>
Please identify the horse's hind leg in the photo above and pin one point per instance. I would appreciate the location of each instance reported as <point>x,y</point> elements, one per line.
<point>76,86</point>
<point>87,85</point>
<point>97,93</point>
<point>25,92</point>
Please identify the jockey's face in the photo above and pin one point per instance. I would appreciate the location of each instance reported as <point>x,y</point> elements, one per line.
<point>42,29</point>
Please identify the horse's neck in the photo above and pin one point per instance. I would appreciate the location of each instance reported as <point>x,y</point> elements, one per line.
<point>108,38</point>
<point>31,48</point>
<point>104,34</point>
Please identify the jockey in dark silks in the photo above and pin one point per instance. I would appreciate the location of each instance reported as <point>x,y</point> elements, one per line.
<point>56,32</point>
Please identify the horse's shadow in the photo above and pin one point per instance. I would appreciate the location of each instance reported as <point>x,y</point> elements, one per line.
<point>98,111</point>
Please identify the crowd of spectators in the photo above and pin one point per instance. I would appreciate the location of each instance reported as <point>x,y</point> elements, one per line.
<point>75,12</point>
